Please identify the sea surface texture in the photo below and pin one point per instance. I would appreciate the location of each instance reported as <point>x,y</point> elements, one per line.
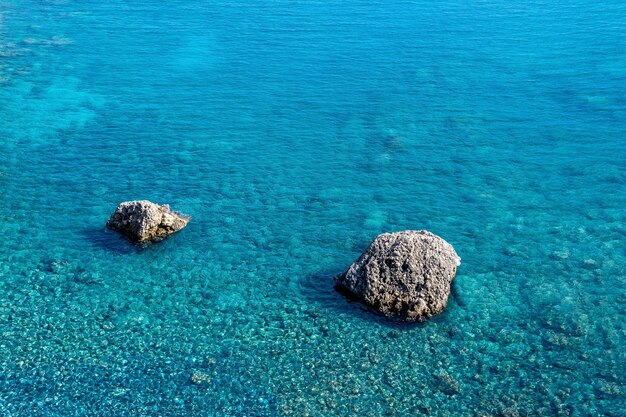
<point>294,133</point>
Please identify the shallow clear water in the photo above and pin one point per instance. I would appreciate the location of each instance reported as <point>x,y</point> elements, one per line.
<point>294,133</point>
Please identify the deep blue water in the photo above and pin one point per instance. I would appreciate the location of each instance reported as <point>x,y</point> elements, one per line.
<point>294,133</point>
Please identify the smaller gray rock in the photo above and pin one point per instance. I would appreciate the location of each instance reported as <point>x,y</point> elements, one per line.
<point>405,275</point>
<point>144,222</point>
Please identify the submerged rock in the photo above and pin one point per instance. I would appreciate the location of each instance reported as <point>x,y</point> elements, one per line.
<point>145,222</point>
<point>405,275</point>
<point>200,378</point>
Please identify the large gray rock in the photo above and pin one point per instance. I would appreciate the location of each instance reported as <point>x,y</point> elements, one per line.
<point>406,275</point>
<point>145,222</point>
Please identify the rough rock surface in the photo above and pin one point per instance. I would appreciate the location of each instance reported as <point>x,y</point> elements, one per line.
<point>145,222</point>
<point>406,275</point>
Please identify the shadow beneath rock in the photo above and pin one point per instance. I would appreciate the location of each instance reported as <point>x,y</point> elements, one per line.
<point>455,298</point>
<point>103,238</point>
<point>318,289</point>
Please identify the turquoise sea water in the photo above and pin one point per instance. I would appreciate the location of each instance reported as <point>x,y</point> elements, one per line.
<point>294,133</point>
